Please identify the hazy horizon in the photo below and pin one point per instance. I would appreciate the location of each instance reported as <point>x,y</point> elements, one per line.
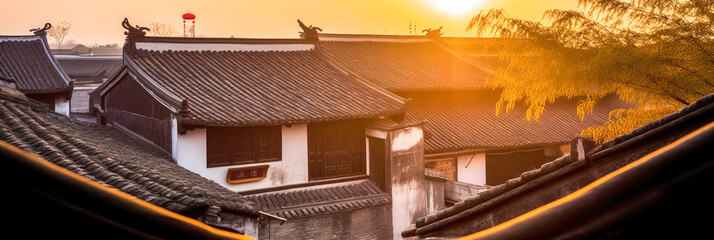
<point>100,22</point>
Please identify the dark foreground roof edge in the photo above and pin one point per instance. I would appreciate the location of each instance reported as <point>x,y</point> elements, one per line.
<point>433,221</point>
<point>539,221</point>
<point>115,197</point>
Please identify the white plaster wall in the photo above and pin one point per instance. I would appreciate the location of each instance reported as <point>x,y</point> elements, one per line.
<point>61,104</point>
<point>475,173</point>
<point>431,206</point>
<point>191,151</point>
<point>80,100</point>
<point>174,138</point>
<point>409,200</point>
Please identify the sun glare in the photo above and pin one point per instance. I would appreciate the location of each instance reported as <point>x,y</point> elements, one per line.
<point>455,7</point>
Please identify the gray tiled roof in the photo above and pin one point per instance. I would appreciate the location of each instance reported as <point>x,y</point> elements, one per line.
<point>634,145</point>
<point>109,157</point>
<point>467,120</point>
<point>26,60</point>
<point>90,66</point>
<point>407,64</point>
<point>241,88</point>
<point>307,202</point>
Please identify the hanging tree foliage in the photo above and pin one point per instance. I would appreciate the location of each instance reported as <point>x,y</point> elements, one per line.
<point>656,54</point>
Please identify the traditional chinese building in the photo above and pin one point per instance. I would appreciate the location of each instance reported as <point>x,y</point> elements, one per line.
<point>87,73</point>
<point>27,64</point>
<point>267,116</point>
<point>80,176</point>
<point>463,136</point>
<point>630,187</point>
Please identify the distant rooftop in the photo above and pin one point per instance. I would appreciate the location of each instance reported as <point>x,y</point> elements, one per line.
<point>404,63</point>
<point>241,82</point>
<point>26,60</point>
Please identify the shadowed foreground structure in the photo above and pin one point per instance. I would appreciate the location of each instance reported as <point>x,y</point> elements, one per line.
<point>127,166</point>
<point>648,198</point>
<point>654,197</point>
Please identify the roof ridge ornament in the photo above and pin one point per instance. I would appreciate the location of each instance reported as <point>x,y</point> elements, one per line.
<point>132,32</point>
<point>433,34</point>
<point>41,31</point>
<point>308,32</point>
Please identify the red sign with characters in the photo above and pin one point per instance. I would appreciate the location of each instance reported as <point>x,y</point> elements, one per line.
<point>247,174</point>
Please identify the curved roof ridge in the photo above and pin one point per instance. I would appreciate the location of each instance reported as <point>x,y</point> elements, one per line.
<point>222,44</point>
<point>349,37</point>
<point>268,87</point>
<point>28,60</point>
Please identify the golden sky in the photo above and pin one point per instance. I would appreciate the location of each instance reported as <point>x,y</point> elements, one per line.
<point>100,21</point>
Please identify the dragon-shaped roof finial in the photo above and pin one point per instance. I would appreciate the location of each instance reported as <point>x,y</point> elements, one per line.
<point>308,32</point>
<point>433,34</point>
<point>43,30</point>
<point>133,31</point>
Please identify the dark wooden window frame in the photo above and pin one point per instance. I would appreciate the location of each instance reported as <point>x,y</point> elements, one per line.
<point>504,165</point>
<point>229,146</point>
<point>336,149</point>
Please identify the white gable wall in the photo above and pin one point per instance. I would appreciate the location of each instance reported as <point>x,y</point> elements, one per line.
<point>62,104</point>
<point>191,154</point>
<point>473,172</point>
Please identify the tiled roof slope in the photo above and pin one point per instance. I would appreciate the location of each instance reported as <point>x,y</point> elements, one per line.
<point>403,64</point>
<point>567,171</point>
<point>109,157</point>
<point>90,66</point>
<point>27,61</point>
<point>474,46</point>
<point>240,88</point>
<point>307,202</point>
<point>467,120</point>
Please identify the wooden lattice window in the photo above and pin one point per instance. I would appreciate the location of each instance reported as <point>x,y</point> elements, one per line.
<point>240,145</point>
<point>336,149</point>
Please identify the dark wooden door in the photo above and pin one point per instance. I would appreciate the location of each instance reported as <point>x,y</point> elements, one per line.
<point>336,149</point>
<point>377,164</point>
<point>503,166</point>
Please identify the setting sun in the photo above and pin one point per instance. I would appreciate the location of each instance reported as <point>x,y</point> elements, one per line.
<point>455,7</point>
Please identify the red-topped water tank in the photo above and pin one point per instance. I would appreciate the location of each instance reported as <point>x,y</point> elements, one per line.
<point>188,16</point>
<point>191,31</point>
